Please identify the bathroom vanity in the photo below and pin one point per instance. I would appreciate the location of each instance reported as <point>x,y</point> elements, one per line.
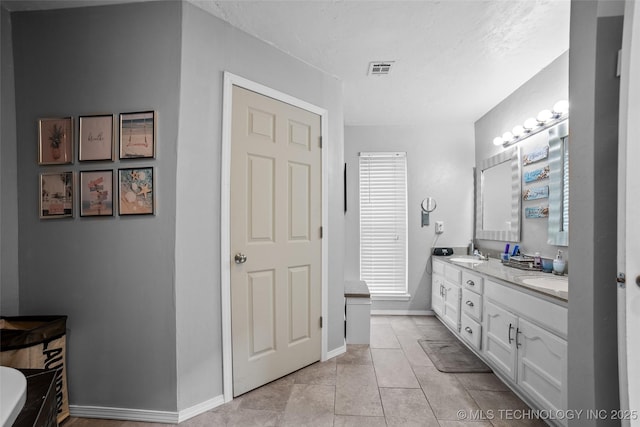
<point>514,320</point>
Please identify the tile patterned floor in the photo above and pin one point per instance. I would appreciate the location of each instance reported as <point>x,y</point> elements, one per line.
<point>392,382</point>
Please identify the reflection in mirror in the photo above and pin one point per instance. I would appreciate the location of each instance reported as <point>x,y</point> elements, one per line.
<point>498,188</point>
<point>558,233</point>
<point>496,201</point>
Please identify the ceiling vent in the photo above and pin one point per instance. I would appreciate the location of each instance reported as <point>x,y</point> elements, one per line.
<point>380,68</point>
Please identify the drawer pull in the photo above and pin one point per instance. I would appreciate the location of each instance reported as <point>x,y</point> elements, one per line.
<point>468,329</point>
<point>510,328</point>
<point>469,303</point>
<point>470,282</point>
<point>518,332</point>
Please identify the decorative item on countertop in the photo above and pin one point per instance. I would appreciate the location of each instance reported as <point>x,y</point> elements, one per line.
<point>516,250</point>
<point>547,265</point>
<point>523,262</point>
<point>537,261</point>
<point>559,264</point>
<point>504,257</point>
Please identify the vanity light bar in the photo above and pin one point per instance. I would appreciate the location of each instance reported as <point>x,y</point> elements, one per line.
<point>544,120</point>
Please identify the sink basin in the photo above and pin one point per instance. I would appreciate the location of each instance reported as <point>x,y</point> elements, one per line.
<point>13,394</point>
<point>554,283</point>
<point>467,260</point>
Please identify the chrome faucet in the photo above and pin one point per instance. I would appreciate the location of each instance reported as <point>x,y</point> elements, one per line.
<point>479,255</point>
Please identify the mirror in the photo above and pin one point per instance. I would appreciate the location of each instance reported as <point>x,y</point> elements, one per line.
<point>498,190</point>
<point>558,233</point>
<point>428,204</point>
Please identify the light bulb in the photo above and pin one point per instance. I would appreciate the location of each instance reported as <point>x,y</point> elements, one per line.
<point>530,124</point>
<point>544,116</point>
<point>517,131</point>
<point>498,141</point>
<point>507,136</point>
<point>561,108</point>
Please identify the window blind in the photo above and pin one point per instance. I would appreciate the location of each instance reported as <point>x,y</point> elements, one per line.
<point>383,222</point>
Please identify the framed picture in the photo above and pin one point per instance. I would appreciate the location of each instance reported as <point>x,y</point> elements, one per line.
<point>536,155</point>
<point>537,212</point>
<point>55,141</point>
<point>536,193</point>
<point>138,135</point>
<point>136,191</point>
<point>96,138</point>
<point>56,195</point>
<point>96,193</point>
<point>536,175</point>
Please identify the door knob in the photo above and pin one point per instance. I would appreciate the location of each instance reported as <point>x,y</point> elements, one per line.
<point>240,258</point>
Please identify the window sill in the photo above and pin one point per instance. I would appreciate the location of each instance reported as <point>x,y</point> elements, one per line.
<point>394,297</point>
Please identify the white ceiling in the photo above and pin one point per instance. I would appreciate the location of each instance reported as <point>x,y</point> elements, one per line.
<point>454,59</point>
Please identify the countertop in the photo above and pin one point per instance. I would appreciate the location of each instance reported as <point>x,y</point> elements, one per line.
<point>356,289</point>
<point>494,268</point>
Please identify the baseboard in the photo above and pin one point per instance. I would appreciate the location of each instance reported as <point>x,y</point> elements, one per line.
<point>103,412</point>
<point>402,313</point>
<point>336,352</point>
<point>127,414</point>
<point>200,408</point>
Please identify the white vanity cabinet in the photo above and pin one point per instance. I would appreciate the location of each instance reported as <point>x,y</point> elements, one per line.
<point>471,309</point>
<point>437,283</point>
<point>524,338</point>
<point>446,293</point>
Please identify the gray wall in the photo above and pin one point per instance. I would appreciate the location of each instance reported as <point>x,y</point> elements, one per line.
<point>210,47</point>
<point>439,165</point>
<point>594,93</point>
<point>143,293</point>
<point>9,282</point>
<point>541,92</point>
<point>113,276</point>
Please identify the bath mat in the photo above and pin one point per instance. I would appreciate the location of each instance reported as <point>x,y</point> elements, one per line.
<point>453,356</point>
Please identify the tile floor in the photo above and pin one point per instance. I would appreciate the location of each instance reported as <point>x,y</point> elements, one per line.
<point>392,382</point>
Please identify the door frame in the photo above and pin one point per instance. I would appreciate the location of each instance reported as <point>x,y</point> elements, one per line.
<point>628,231</point>
<point>231,80</point>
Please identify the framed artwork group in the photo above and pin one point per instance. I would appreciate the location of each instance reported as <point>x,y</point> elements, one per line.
<point>534,177</point>
<point>97,143</point>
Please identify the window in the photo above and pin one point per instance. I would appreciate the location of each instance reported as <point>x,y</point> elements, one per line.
<point>383,223</point>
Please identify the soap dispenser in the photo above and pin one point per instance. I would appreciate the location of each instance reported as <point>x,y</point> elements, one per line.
<point>558,264</point>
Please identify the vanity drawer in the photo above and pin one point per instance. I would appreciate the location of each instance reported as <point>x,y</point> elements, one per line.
<point>472,282</point>
<point>472,304</point>
<point>452,274</point>
<point>438,267</point>
<point>471,331</point>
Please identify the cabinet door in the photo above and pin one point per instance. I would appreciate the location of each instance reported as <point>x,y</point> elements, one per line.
<point>499,333</point>
<point>452,305</point>
<point>542,365</point>
<point>437,300</point>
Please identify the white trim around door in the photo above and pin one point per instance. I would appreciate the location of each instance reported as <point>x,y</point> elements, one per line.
<point>231,80</point>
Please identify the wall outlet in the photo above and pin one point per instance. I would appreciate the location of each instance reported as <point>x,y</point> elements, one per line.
<point>439,227</point>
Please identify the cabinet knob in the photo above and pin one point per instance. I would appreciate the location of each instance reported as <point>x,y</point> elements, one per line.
<point>468,329</point>
<point>470,282</point>
<point>469,303</point>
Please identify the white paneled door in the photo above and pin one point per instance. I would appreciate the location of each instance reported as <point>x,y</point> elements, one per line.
<point>276,249</point>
